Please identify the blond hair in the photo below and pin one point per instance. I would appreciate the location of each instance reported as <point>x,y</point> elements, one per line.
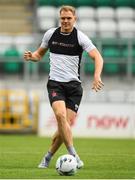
<point>67,8</point>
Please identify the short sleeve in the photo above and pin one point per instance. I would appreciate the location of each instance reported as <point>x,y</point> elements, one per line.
<point>47,37</point>
<point>85,42</point>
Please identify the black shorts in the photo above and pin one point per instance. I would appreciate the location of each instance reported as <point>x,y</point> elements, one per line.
<point>70,92</point>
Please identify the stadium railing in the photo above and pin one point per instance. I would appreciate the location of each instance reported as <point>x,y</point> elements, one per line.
<point>118,54</point>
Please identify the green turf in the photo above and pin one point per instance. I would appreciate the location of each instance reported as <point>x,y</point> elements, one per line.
<point>103,158</point>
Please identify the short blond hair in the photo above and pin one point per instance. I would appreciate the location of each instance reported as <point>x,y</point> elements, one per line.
<point>68,8</point>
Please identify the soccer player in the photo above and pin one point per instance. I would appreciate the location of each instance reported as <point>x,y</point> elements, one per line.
<point>66,44</point>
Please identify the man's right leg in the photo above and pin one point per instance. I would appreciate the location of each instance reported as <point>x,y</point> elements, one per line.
<point>57,141</point>
<point>64,130</point>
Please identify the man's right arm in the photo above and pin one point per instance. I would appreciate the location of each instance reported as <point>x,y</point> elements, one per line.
<point>36,55</point>
<point>40,52</point>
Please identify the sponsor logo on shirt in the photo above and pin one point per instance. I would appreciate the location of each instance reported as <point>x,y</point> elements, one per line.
<point>62,44</point>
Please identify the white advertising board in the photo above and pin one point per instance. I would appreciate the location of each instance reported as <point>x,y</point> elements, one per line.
<point>93,120</point>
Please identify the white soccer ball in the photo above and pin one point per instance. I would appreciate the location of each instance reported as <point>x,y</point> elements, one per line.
<point>66,165</point>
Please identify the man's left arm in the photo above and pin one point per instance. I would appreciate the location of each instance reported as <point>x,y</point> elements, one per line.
<point>98,60</point>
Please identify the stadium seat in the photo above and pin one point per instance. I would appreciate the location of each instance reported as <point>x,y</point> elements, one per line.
<point>111,52</point>
<point>45,64</point>
<point>46,24</point>
<point>105,13</point>
<point>86,12</point>
<point>123,3</point>
<point>86,3</point>
<point>126,52</point>
<point>46,67</point>
<point>89,27</point>
<point>129,53</point>
<point>125,13</point>
<point>11,55</point>
<point>104,3</point>
<point>133,3</point>
<point>5,43</point>
<point>46,17</point>
<point>46,2</point>
<point>133,67</point>
<point>32,67</point>
<point>126,28</point>
<point>66,2</point>
<point>89,67</point>
<point>107,28</point>
<point>111,68</point>
<point>46,12</point>
<point>88,64</point>
<point>24,42</point>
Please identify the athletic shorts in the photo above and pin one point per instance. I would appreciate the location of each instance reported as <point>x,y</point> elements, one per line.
<point>70,92</point>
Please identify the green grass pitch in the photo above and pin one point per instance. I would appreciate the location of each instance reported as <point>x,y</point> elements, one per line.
<point>103,158</point>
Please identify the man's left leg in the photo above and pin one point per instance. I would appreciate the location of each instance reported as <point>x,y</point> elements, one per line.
<point>71,117</point>
<point>56,143</point>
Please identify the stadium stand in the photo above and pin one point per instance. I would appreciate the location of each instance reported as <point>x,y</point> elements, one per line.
<point>110,25</point>
<point>19,112</point>
<point>17,18</point>
<point>110,20</point>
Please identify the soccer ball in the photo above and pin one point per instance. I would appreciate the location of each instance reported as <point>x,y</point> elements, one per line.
<point>66,165</point>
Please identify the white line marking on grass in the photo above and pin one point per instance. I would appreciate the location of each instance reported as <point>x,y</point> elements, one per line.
<point>111,154</point>
<point>17,152</point>
<point>86,154</point>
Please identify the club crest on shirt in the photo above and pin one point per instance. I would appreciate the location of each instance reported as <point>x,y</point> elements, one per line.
<point>54,94</point>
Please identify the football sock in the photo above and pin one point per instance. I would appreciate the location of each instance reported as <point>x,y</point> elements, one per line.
<point>48,157</point>
<point>72,150</point>
<point>77,157</point>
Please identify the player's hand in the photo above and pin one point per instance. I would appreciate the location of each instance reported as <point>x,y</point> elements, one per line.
<point>97,84</point>
<point>28,55</point>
